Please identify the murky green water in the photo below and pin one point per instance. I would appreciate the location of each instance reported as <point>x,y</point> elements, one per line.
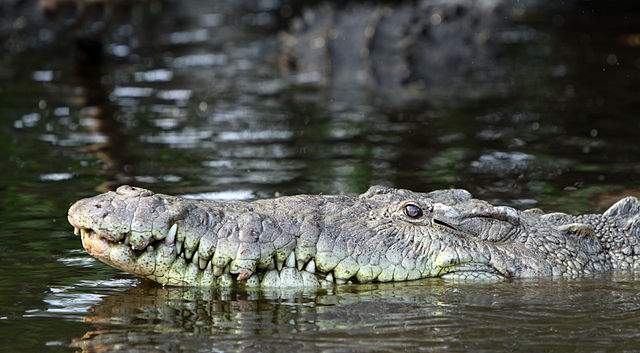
<point>186,99</point>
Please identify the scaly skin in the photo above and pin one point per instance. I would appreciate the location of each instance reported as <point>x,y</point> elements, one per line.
<point>382,235</point>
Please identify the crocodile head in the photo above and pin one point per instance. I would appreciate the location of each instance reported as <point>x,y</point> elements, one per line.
<point>382,235</point>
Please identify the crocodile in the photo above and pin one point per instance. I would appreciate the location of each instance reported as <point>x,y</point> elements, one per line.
<point>384,234</point>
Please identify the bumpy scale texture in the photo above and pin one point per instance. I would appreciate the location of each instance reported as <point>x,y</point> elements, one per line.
<point>382,235</point>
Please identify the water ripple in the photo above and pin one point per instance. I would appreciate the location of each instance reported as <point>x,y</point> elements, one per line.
<point>195,60</point>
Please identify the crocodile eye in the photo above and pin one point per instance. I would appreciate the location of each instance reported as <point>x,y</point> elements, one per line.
<point>412,211</point>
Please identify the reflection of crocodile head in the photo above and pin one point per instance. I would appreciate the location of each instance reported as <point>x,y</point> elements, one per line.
<point>152,318</point>
<point>135,319</point>
<point>382,235</point>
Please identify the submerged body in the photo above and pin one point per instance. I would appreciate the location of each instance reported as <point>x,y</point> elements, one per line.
<point>382,235</point>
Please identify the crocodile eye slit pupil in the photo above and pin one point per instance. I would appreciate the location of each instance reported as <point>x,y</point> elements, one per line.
<point>412,211</point>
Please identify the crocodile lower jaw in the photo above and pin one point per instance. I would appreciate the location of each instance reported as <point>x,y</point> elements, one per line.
<point>167,264</point>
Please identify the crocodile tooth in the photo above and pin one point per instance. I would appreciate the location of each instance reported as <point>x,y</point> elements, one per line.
<point>279,265</point>
<point>291,260</point>
<point>126,241</point>
<point>272,265</point>
<point>188,252</point>
<point>329,278</point>
<point>244,273</point>
<point>202,263</point>
<point>171,236</point>
<point>217,271</point>
<point>300,265</point>
<point>192,256</point>
<point>311,266</point>
<point>179,246</point>
<point>76,230</point>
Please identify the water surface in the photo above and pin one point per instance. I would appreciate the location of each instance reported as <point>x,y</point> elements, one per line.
<point>186,99</point>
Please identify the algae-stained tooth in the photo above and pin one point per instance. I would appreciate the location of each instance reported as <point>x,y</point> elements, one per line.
<point>202,263</point>
<point>191,243</point>
<point>382,235</point>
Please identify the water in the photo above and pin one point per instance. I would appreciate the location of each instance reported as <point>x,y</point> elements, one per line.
<point>427,315</point>
<point>186,99</point>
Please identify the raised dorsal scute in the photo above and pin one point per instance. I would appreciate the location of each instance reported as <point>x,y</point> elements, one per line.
<point>556,217</point>
<point>580,230</point>
<point>377,190</point>
<point>450,196</point>
<point>629,206</point>
<point>632,225</point>
<point>534,211</point>
<point>380,193</point>
<point>132,191</point>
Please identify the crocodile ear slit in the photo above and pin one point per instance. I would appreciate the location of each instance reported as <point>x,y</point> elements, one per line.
<point>580,230</point>
<point>501,213</point>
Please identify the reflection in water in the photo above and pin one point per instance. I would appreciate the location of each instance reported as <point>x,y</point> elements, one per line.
<point>87,24</point>
<point>184,98</point>
<point>424,315</point>
<point>100,114</point>
<point>196,105</point>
